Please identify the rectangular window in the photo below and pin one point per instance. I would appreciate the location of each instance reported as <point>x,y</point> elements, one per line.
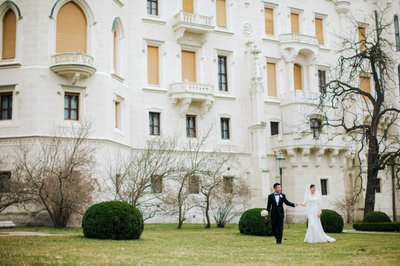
<point>221,13</point>
<point>152,65</point>
<point>156,184</point>
<point>269,20</point>
<point>228,184</point>
<point>315,125</point>
<point>5,177</point>
<point>319,30</point>
<point>188,66</point>
<point>294,19</point>
<point>6,100</point>
<point>191,126</point>
<point>117,109</point>
<point>322,81</point>
<point>152,7</point>
<point>187,6</point>
<point>222,73</point>
<point>365,84</point>
<point>361,38</point>
<point>397,32</point>
<point>271,75</point>
<point>298,81</point>
<point>154,123</point>
<point>194,185</point>
<point>378,185</point>
<point>71,106</point>
<point>225,131</point>
<point>9,35</point>
<point>274,128</point>
<point>324,187</point>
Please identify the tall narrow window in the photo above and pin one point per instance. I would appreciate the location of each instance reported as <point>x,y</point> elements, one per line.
<point>319,30</point>
<point>187,6</point>
<point>398,74</point>
<point>71,106</point>
<point>361,39</point>
<point>378,185</point>
<point>322,81</point>
<point>154,123</point>
<point>225,131</point>
<point>117,107</point>
<point>188,66</point>
<point>222,73</point>
<point>365,84</point>
<point>221,13</point>
<point>274,128</point>
<point>153,65</point>
<point>156,184</point>
<point>271,75</point>
<point>324,187</point>
<point>228,184</point>
<point>71,29</point>
<point>6,100</point>
<point>397,32</point>
<point>316,126</point>
<point>115,51</point>
<point>298,83</point>
<point>294,19</point>
<point>269,20</point>
<point>9,35</point>
<point>191,126</point>
<point>152,7</point>
<point>194,185</point>
<point>5,177</point>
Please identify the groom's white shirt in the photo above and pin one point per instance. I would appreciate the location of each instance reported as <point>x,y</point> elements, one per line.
<point>276,198</point>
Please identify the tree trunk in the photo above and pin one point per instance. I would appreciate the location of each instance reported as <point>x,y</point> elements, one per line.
<point>206,212</point>
<point>372,174</point>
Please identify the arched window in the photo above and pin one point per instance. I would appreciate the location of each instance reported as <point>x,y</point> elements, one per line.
<point>118,35</point>
<point>397,32</point>
<point>71,29</point>
<point>298,83</point>
<point>115,51</point>
<point>9,35</point>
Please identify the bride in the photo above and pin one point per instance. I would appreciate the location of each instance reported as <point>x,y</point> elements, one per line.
<point>315,232</point>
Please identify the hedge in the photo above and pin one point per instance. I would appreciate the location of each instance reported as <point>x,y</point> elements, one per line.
<point>376,217</point>
<point>378,227</point>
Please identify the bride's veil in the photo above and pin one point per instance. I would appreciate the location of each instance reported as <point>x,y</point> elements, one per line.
<point>307,193</point>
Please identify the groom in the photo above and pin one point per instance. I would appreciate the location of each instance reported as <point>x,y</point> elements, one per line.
<point>275,209</point>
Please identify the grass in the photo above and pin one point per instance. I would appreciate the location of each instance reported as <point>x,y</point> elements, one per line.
<point>162,244</point>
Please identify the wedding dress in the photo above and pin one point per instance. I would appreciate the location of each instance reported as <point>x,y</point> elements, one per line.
<point>315,232</point>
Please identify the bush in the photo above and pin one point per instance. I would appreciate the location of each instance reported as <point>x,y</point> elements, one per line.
<point>112,220</point>
<point>332,222</point>
<point>379,227</point>
<point>376,217</point>
<point>251,223</point>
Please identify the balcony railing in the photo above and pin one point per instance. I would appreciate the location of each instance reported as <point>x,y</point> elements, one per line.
<point>300,97</point>
<point>193,22</point>
<point>73,65</point>
<point>191,87</point>
<point>298,38</point>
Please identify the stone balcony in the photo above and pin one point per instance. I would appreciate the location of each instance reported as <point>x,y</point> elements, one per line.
<point>74,66</point>
<point>186,93</point>
<point>299,42</point>
<point>191,23</point>
<point>300,97</point>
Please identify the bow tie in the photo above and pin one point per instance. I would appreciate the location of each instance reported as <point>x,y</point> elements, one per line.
<point>277,194</point>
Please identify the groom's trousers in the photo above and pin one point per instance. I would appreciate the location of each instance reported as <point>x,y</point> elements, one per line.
<point>277,228</point>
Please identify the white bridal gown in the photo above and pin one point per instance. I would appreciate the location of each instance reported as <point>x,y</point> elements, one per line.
<point>315,232</point>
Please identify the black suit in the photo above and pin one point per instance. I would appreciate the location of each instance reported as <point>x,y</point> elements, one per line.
<point>277,214</point>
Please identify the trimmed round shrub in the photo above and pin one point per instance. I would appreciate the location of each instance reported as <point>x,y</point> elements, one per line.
<point>331,221</point>
<point>112,220</point>
<point>376,217</point>
<point>252,223</point>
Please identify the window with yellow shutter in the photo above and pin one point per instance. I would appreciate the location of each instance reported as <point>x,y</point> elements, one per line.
<point>9,35</point>
<point>187,6</point>
<point>221,13</point>
<point>269,21</point>
<point>319,30</point>
<point>153,65</point>
<point>361,38</point>
<point>188,66</point>
<point>365,84</point>
<point>294,19</point>
<point>271,75</point>
<point>298,83</point>
<point>71,29</point>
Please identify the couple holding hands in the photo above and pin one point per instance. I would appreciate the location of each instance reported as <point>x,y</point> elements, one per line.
<point>312,200</point>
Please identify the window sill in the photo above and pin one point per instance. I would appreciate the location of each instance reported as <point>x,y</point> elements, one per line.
<point>6,64</point>
<point>226,96</point>
<point>118,131</point>
<point>117,77</point>
<point>119,2</point>
<point>272,100</point>
<point>324,48</point>
<point>270,38</point>
<point>154,20</point>
<point>153,88</point>
<point>8,123</point>
<point>223,31</point>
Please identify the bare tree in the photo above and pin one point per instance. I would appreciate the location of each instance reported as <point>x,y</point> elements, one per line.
<point>346,205</point>
<point>227,205</point>
<point>368,116</point>
<point>56,170</point>
<point>132,175</point>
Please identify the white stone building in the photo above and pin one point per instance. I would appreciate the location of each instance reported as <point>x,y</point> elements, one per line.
<point>253,66</point>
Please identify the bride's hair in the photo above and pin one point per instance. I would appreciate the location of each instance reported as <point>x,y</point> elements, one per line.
<point>311,186</point>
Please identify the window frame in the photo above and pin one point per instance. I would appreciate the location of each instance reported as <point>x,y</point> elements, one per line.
<point>191,130</point>
<point>316,129</point>
<point>228,184</point>
<point>69,110</point>
<point>3,14</point>
<point>9,110</point>
<point>326,189</point>
<point>4,184</point>
<point>222,75</point>
<point>151,8</point>
<point>273,131</point>
<point>225,131</point>
<point>156,184</point>
<point>152,125</point>
<point>322,87</point>
<point>194,181</point>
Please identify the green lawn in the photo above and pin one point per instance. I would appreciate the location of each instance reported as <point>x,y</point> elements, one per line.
<point>165,245</point>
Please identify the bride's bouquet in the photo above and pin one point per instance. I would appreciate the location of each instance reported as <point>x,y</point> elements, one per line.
<point>264,213</point>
